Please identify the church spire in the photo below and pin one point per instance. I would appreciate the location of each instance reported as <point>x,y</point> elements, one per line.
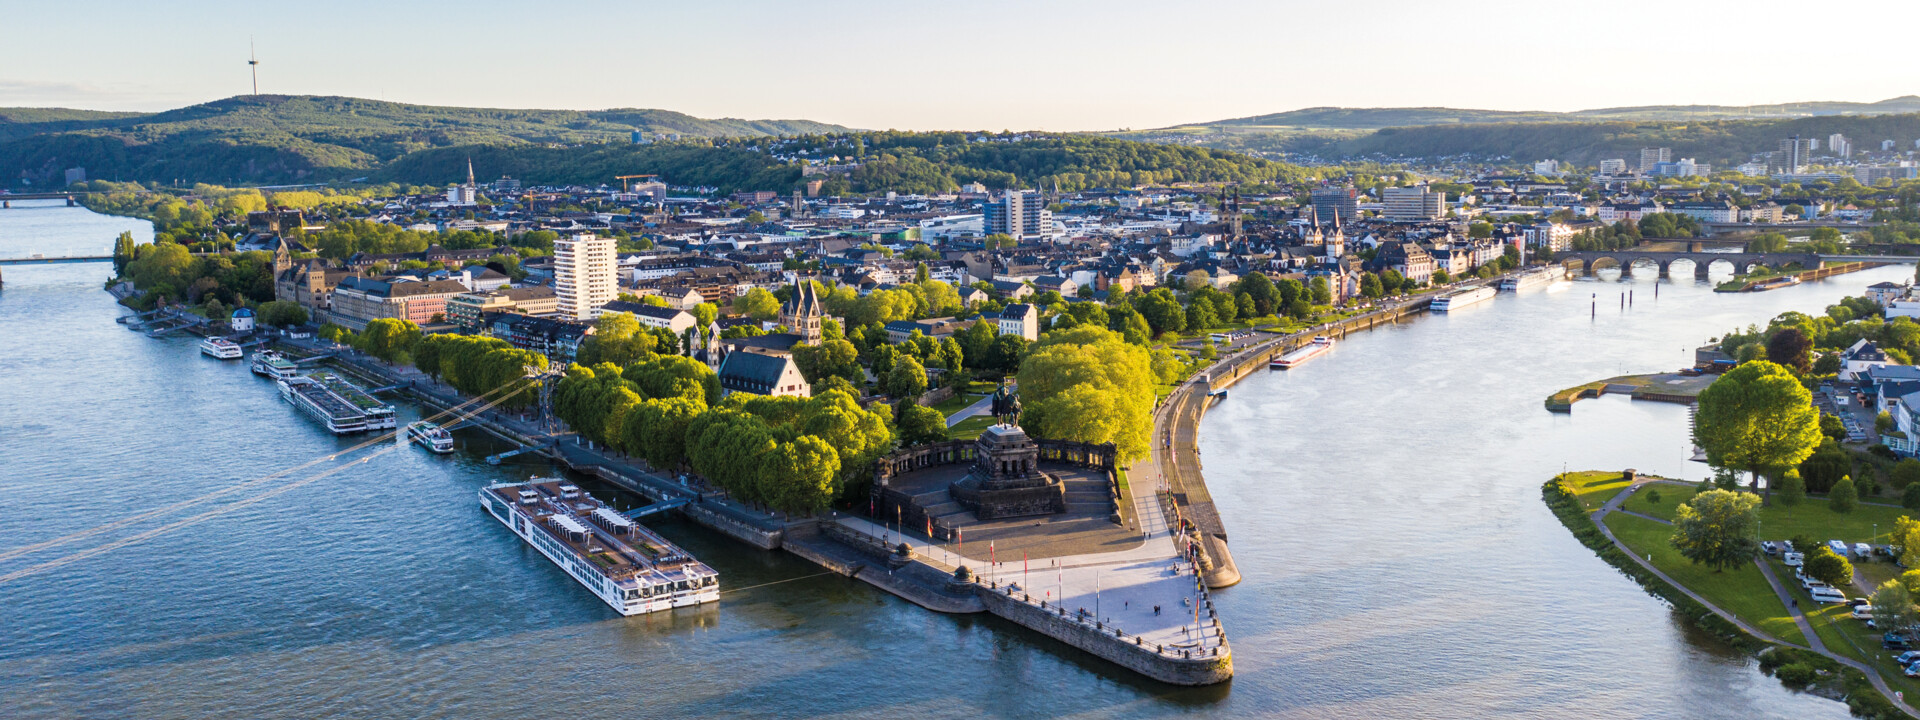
<point>470,171</point>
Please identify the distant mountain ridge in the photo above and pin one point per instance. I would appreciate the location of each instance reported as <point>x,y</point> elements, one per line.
<point>1377,118</point>
<point>280,138</point>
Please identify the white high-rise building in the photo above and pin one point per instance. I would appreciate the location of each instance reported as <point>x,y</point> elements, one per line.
<point>585,275</point>
<point>1413,204</point>
<point>1839,145</point>
<point>1650,157</point>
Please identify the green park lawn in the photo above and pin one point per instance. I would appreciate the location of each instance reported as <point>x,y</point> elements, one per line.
<point>1741,591</point>
<point>956,403</point>
<point>970,428</point>
<point>1867,523</point>
<point>1594,488</point>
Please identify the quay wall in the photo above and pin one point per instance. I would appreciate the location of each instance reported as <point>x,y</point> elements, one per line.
<point>1105,644</point>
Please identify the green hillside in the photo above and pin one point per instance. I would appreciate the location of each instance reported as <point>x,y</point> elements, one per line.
<point>281,138</point>
<point>1376,118</point>
<point>1722,142</point>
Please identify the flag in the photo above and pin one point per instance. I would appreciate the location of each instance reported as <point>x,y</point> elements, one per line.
<point>929,527</point>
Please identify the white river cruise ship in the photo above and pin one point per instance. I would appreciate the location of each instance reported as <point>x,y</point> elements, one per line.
<point>628,566</point>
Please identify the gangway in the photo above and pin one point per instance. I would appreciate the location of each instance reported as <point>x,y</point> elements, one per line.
<point>659,507</point>
<point>389,388</point>
<point>316,358</point>
<point>495,459</point>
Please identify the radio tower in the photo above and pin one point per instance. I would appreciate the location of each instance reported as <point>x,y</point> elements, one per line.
<point>253,64</point>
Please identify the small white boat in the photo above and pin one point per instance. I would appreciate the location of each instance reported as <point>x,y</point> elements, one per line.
<point>1309,351</point>
<point>431,436</point>
<point>222,348</point>
<point>273,365</point>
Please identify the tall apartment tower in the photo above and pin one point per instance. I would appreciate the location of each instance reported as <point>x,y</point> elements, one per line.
<point>1341,202</point>
<point>1792,156</point>
<point>1017,213</point>
<point>584,275</point>
<point>1840,145</point>
<point>1649,157</point>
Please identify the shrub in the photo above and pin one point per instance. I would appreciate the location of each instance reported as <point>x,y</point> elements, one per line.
<point>1795,674</point>
<point>1911,498</point>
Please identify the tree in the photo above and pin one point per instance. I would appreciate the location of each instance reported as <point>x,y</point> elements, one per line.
<point>1910,498</point>
<point>283,313</point>
<point>1003,356</point>
<point>123,253</point>
<point>1089,384</point>
<point>1440,277</point>
<point>1718,528</point>
<point>389,338</point>
<point>1893,605</point>
<point>1842,497</point>
<point>1792,489</point>
<point>1322,292</point>
<point>1823,564</point>
<point>757,304</point>
<point>907,380</point>
<point>1757,417</point>
<point>830,358</point>
<point>803,475</point>
<point>1791,348</point>
<point>920,425</point>
<point>1197,279</point>
<point>704,315</point>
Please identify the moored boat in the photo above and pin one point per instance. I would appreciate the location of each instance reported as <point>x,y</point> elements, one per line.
<point>1461,298</point>
<point>627,566</point>
<point>222,348</point>
<point>1533,278</point>
<point>273,365</point>
<point>431,436</point>
<point>1319,344</point>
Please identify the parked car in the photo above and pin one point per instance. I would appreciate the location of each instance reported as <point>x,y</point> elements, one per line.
<point>1862,612</point>
<point>1913,670</point>
<point>1894,641</point>
<point>1839,547</point>
<point>1907,658</point>
<point>1826,594</point>
<point>1769,548</point>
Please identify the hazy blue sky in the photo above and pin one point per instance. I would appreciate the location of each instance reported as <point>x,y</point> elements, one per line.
<point>970,65</point>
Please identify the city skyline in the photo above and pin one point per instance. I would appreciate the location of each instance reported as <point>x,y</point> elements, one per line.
<point>1055,66</point>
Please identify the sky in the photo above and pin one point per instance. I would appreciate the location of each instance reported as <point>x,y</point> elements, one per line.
<point>981,65</point>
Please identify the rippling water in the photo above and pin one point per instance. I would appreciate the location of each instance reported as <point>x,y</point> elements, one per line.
<point>1383,503</point>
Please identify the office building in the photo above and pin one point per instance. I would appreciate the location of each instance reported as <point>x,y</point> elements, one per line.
<point>1616,166</point>
<point>584,275</point>
<point>1414,204</point>
<point>1650,157</point>
<point>1340,202</point>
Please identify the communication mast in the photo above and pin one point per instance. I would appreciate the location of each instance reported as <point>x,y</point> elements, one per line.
<point>253,65</point>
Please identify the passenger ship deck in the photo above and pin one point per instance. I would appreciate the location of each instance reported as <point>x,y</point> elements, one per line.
<point>629,567</point>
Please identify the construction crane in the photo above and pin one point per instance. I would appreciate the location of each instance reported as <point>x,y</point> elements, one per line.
<point>624,178</point>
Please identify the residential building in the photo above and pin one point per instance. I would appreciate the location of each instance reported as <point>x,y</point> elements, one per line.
<point>559,340</point>
<point>1414,204</point>
<point>1630,212</point>
<point>1340,202</point>
<point>311,283</point>
<point>1615,166</point>
<point>1858,357</point>
<point>585,274</point>
<point>1839,146</point>
<point>1021,319</point>
<point>1767,212</point>
<point>761,373</point>
<point>1649,157</point>
<point>468,311</point>
<point>1791,157</point>
<point>1017,213</point>
<point>1707,210</point>
<point>1407,258</point>
<point>1553,236</point>
<point>1752,169</point>
<point>1870,174</point>
<point>654,316</point>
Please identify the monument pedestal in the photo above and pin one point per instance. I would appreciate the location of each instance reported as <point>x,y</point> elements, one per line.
<point>1005,480</point>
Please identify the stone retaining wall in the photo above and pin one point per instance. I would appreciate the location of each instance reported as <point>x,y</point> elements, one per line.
<point>1122,651</point>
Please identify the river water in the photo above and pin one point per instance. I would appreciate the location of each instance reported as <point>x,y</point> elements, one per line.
<point>1383,504</point>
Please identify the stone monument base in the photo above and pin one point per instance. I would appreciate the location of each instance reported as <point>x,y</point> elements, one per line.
<point>1005,480</point>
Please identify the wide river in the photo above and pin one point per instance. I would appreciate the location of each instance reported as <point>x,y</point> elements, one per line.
<point>1383,503</point>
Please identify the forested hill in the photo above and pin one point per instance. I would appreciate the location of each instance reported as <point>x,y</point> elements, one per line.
<point>1722,143</point>
<point>1375,118</point>
<point>902,162</point>
<point>283,138</point>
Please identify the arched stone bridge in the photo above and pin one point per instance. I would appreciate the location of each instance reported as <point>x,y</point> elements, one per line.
<point>1586,260</point>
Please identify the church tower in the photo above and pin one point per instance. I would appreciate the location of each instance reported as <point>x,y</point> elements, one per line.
<point>802,313</point>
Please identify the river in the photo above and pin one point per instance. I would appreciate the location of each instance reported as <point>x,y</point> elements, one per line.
<point>1383,504</point>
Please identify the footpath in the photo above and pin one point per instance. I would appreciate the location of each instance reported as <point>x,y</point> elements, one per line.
<point>1786,599</point>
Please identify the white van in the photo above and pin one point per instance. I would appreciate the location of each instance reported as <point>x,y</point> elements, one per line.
<point>1793,559</point>
<point>1863,551</point>
<point>1827,595</point>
